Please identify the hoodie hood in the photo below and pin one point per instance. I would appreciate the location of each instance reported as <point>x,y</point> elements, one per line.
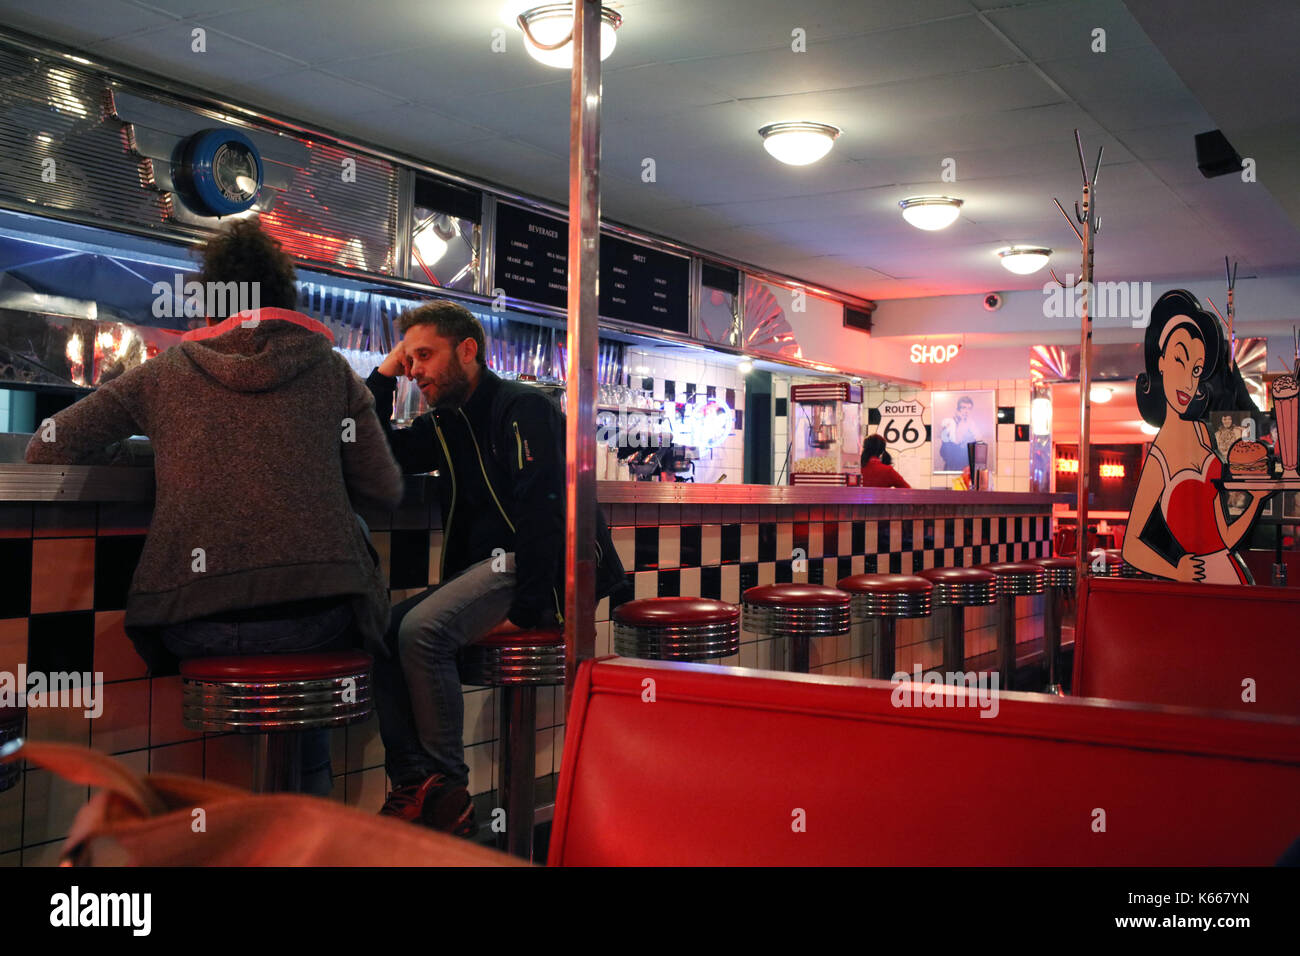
<point>260,350</point>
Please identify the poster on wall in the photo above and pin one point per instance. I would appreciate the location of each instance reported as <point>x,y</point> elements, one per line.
<point>960,418</point>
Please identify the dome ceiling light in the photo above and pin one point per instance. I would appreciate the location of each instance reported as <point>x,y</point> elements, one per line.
<point>548,33</point>
<point>798,144</point>
<point>1024,260</point>
<point>931,212</point>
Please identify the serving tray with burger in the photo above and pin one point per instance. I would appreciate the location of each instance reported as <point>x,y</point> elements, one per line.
<point>1249,468</point>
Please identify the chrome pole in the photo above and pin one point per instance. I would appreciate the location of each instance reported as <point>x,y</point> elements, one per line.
<point>584,265</point>
<point>1086,214</point>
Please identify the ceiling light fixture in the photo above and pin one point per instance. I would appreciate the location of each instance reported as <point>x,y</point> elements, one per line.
<point>1100,394</point>
<point>798,144</point>
<point>1024,260</point>
<point>1147,429</point>
<point>548,33</point>
<point>745,367</point>
<point>931,212</point>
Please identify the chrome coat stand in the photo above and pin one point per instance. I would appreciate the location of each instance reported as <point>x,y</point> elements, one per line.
<point>584,266</point>
<point>1086,214</point>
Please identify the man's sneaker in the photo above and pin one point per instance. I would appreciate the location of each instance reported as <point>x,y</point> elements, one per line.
<point>435,804</point>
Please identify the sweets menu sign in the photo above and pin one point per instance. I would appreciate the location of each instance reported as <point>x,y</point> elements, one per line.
<point>637,284</point>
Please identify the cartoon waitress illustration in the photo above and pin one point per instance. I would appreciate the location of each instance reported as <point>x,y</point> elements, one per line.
<point>1177,527</point>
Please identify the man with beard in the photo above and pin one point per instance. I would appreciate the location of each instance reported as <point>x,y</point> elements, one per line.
<point>498,448</point>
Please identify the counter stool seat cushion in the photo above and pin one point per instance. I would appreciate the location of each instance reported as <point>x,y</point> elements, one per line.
<point>886,584</point>
<point>962,587</point>
<point>675,611</point>
<point>506,634</point>
<point>276,667</point>
<point>796,595</point>
<point>888,595</point>
<point>1060,572</point>
<point>1018,577</point>
<point>1055,563</point>
<point>957,575</point>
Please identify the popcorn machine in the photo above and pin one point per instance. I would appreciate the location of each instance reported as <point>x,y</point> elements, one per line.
<point>827,434</point>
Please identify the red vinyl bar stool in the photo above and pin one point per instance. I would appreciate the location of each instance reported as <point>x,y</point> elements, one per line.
<point>1058,577</point>
<point>11,729</point>
<point>1015,579</point>
<point>274,696</point>
<point>516,662</point>
<point>956,589</point>
<point>885,598</point>
<point>676,629</point>
<point>798,612</point>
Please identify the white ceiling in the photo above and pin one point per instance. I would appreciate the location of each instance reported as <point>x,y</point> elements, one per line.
<point>997,85</point>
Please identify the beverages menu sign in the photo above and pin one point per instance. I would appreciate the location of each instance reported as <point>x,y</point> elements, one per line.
<point>637,284</point>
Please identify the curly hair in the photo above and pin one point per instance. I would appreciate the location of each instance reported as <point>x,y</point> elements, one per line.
<point>451,320</point>
<point>244,252</point>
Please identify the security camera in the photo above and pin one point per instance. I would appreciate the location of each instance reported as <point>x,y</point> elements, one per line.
<point>992,302</point>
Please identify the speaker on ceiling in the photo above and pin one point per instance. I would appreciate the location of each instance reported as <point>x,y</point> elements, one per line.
<point>1215,155</point>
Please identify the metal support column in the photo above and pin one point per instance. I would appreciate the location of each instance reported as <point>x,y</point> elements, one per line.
<point>584,266</point>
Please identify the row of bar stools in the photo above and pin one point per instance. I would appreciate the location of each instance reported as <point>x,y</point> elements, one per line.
<point>516,662</point>
<point>1058,577</point>
<point>275,696</point>
<point>1015,579</point>
<point>676,629</point>
<point>798,612</point>
<point>956,589</point>
<point>11,729</point>
<point>883,599</point>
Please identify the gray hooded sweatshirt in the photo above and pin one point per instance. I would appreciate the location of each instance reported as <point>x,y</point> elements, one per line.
<point>265,443</point>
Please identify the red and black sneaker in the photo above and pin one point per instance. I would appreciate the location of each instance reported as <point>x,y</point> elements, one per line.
<point>436,804</point>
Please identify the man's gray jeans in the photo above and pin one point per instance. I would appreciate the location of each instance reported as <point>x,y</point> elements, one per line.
<point>417,690</point>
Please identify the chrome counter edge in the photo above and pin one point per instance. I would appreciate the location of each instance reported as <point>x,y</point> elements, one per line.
<point>22,482</point>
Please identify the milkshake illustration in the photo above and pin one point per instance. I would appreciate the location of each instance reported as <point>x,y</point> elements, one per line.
<point>1286,395</point>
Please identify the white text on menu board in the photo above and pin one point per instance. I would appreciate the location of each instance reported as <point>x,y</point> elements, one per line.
<point>519,261</point>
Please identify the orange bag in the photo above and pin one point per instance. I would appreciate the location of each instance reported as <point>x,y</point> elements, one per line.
<point>175,820</point>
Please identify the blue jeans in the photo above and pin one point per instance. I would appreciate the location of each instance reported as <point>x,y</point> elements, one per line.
<point>417,690</point>
<point>329,631</point>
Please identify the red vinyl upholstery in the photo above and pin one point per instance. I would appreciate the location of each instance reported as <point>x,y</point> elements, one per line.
<point>506,634</point>
<point>795,595</point>
<point>721,766</point>
<point>1188,644</point>
<point>272,667</point>
<point>671,611</point>
<point>886,584</point>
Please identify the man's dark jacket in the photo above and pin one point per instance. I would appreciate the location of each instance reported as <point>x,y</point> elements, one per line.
<point>501,485</point>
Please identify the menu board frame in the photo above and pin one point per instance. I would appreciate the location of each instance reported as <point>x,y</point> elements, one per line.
<point>531,239</point>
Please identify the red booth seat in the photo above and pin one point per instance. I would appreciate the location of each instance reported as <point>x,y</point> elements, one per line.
<point>725,766</point>
<point>1188,644</point>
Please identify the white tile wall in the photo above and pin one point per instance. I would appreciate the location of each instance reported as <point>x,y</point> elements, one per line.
<point>683,366</point>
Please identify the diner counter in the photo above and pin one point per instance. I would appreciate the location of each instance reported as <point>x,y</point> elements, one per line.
<point>23,482</point>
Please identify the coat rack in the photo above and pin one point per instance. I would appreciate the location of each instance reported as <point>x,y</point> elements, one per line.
<point>1086,215</point>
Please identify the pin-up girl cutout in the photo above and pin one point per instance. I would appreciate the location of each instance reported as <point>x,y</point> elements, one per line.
<point>1177,526</point>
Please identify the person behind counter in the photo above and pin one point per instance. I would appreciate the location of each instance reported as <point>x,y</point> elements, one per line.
<point>257,478</point>
<point>876,466</point>
<point>499,450</point>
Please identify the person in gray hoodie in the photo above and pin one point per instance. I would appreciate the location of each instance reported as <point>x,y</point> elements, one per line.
<point>265,443</point>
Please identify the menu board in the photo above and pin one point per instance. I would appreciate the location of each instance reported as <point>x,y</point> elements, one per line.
<point>637,284</point>
<point>532,256</point>
<point>643,285</point>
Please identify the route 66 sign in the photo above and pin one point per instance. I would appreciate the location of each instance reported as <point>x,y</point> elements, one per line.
<point>900,424</point>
